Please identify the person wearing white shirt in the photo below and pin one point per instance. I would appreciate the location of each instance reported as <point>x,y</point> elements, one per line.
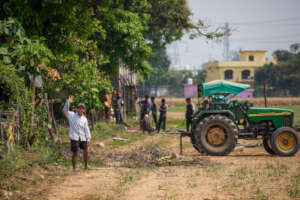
<point>79,132</point>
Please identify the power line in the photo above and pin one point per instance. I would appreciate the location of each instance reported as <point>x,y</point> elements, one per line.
<point>263,21</point>
<point>269,42</point>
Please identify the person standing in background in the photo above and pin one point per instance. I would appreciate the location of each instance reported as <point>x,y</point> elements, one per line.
<point>115,106</point>
<point>79,132</point>
<point>154,110</point>
<point>120,104</point>
<point>107,106</point>
<point>190,109</point>
<point>162,116</point>
<point>145,107</point>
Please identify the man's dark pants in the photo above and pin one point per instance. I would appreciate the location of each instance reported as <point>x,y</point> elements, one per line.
<point>117,116</point>
<point>161,122</point>
<point>76,145</point>
<point>154,115</point>
<point>188,124</point>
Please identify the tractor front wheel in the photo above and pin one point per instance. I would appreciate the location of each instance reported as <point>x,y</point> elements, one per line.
<point>216,135</point>
<point>285,141</point>
<point>267,144</point>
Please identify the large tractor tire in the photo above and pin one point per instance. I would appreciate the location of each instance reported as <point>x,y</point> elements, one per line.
<point>267,144</point>
<point>285,141</point>
<point>216,135</point>
<point>197,147</point>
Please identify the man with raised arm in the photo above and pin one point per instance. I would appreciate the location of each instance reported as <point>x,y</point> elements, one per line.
<point>79,132</point>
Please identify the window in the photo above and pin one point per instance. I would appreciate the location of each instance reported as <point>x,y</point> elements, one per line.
<point>228,74</point>
<point>245,74</point>
<point>251,58</point>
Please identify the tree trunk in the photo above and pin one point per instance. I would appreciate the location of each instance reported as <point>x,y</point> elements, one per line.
<point>54,125</point>
<point>50,130</point>
<point>32,87</point>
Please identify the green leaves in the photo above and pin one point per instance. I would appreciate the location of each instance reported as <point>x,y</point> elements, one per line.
<point>82,79</point>
<point>283,76</point>
<point>3,51</point>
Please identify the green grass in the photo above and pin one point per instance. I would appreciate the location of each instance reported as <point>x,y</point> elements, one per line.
<point>276,169</point>
<point>24,161</point>
<point>131,138</point>
<point>294,189</point>
<point>176,109</point>
<point>106,130</point>
<point>176,123</point>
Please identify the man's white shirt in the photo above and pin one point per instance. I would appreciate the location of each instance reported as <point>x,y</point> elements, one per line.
<point>79,128</point>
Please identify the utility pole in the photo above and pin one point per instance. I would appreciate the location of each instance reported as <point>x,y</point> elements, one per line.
<point>227,33</point>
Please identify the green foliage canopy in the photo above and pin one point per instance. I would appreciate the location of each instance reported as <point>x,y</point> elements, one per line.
<point>283,76</point>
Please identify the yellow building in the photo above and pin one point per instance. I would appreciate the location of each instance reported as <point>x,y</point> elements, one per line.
<point>238,71</point>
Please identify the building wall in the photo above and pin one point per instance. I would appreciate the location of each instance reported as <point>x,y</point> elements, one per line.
<point>259,56</point>
<point>125,81</point>
<point>216,70</point>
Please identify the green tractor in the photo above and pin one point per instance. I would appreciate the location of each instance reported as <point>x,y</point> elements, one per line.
<point>220,122</point>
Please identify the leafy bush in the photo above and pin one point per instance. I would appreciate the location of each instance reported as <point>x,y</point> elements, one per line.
<point>11,162</point>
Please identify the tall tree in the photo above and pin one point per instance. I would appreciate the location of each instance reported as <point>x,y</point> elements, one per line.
<point>283,76</point>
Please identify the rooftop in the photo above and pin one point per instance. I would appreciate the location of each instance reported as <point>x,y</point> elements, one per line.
<point>241,51</point>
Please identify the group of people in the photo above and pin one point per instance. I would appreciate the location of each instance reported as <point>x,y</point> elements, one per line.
<point>147,107</point>
<point>79,132</point>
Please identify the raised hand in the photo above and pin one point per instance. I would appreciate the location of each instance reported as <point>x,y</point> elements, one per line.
<point>71,99</point>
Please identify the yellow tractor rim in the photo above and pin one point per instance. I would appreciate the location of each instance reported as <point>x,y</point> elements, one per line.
<point>216,136</point>
<point>286,141</point>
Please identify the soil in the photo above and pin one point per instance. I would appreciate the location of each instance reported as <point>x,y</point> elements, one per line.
<point>152,169</point>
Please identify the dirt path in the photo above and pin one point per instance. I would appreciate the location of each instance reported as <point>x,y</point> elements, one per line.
<point>84,184</point>
<point>248,174</point>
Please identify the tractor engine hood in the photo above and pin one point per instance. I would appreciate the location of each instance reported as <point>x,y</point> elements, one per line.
<point>279,117</point>
<point>260,112</point>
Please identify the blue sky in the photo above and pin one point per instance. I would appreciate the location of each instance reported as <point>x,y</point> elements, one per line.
<point>257,25</point>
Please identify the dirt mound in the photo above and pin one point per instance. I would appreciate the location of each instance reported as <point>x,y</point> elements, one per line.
<point>147,157</point>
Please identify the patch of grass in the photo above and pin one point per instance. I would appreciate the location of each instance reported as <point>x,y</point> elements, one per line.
<point>241,172</point>
<point>131,138</point>
<point>105,130</point>
<point>276,169</point>
<point>11,162</point>
<point>294,189</point>
<point>91,197</point>
<point>260,195</point>
<point>212,170</point>
<point>169,197</point>
<point>190,184</point>
<point>22,161</point>
<point>124,180</point>
<point>176,108</point>
<point>176,123</point>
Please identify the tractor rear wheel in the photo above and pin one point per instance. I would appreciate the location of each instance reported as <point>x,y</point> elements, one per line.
<point>267,144</point>
<point>197,147</point>
<point>285,141</point>
<point>216,135</point>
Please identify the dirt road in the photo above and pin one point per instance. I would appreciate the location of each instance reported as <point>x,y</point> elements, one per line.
<point>247,174</point>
